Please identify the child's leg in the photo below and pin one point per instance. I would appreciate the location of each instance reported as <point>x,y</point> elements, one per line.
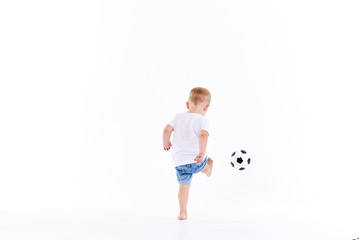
<point>183,199</point>
<point>209,166</point>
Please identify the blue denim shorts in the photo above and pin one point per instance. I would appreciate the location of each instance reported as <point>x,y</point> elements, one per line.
<point>185,172</point>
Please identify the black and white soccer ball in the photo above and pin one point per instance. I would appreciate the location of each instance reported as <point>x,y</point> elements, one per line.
<point>240,160</point>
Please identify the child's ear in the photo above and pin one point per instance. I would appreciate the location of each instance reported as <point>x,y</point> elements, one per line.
<point>187,104</point>
<point>206,107</point>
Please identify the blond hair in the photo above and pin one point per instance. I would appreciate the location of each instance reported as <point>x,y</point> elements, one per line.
<point>200,95</point>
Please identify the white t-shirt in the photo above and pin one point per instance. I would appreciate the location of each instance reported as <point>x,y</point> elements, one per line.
<point>185,144</point>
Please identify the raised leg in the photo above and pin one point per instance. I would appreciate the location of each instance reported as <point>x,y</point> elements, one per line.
<point>208,169</point>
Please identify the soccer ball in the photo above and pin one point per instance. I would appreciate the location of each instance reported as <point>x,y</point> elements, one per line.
<point>240,160</point>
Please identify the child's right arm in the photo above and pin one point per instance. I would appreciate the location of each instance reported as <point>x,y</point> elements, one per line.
<point>166,137</point>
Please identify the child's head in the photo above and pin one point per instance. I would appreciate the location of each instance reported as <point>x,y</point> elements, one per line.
<point>199,96</point>
<point>199,100</point>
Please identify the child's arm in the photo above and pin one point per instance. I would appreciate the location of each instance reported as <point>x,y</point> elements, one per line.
<point>166,137</point>
<point>203,138</point>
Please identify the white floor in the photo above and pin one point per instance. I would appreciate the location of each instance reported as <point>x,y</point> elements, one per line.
<point>119,225</point>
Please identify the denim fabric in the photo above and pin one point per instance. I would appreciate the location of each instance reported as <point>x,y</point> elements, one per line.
<point>185,172</point>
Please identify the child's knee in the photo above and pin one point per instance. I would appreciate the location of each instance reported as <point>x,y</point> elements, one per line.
<point>205,169</point>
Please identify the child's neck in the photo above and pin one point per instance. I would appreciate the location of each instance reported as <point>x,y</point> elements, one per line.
<point>195,109</point>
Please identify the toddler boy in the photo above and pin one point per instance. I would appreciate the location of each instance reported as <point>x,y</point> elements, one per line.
<point>189,143</point>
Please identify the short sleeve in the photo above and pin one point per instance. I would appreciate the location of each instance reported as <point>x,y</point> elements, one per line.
<point>205,125</point>
<point>173,121</point>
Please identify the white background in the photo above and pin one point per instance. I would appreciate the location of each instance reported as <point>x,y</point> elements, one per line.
<point>86,88</point>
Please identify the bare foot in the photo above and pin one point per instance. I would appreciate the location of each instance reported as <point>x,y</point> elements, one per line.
<point>182,216</point>
<point>210,166</point>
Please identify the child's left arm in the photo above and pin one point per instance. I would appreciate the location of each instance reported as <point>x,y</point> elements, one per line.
<point>203,138</point>
<point>166,137</point>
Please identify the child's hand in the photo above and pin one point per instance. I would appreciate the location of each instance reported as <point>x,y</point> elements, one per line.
<point>199,158</point>
<point>167,146</point>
